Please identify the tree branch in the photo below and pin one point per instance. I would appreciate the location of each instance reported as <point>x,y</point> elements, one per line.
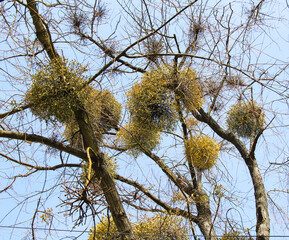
<point>15,110</point>
<point>170,174</point>
<point>42,31</point>
<point>229,136</point>
<point>39,167</point>
<point>175,211</point>
<point>43,140</point>
<point>124,52</point>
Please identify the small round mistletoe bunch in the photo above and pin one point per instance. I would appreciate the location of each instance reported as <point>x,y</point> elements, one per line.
<point>245,119</point>
<point>203,151</point>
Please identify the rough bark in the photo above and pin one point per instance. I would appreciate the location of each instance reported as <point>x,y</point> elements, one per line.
<point>204,217</point>
<point>262,213</point>
<point>102,174</point>
<point>107,183</point>
<point>42,32</point>
<point>263,221</point>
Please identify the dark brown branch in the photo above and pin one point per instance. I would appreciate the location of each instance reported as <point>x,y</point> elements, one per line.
<point>169,209</point>
<point>254,144</point>
<point>5,189</point>
<point>143,208</point>
<point>229,136</point>
<point>15,110</point>
<point>39,167</point>
<point>169,173</point>
<point>42,31</point>
<point>43,140</point>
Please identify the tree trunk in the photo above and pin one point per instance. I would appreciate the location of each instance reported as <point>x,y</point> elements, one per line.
<point>107,183</point>
<point>262,214</point>
<point>263,220</point>
<point>204,214</point>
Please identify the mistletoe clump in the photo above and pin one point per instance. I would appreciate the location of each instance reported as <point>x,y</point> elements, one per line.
<point>185,85</point>
<point>110,109</point>
<point>103,110</point>
<point>154,102</point>
<point>203,151</point>
<point>150,102</point>
<point>155,227</point>
<point>245,119</point>
<point>161,226</point>
<point>57,90</point>
<point>137,139</point>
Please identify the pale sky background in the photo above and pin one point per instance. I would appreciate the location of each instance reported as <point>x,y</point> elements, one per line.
<point>271,148</point>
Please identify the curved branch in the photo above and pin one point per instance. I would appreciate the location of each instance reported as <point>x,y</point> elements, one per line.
<point>43,140</point>
<point>15,110</point>
<point>229,136</point>
<point>254,144</point>
<point>175,211</point>
<point>53,168</point>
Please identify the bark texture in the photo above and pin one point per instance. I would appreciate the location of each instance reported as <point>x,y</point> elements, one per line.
<point>262,213</point>
<point>106,181</point>
<point>42,32</point>
<point>103,176</point>
<point>204,218</point>
<point>263,221</point>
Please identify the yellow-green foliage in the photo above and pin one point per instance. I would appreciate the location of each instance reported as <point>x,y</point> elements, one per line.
<point>104,113</point>
<point>161,227</point>
<point>234,235</point>
<point>47,216</point>
<point>152,104</point>
<point>106,229</point>
<point>203,151</point>
<point>185,85</point>
<point>57,89</point>
<point>192,123</point>
<point>110,109</point>
<point>152,101</point>
<point>155,227</point>
<point>245,119</point>
<point>136,138</point>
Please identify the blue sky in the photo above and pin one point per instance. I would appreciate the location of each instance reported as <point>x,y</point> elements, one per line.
<point>268,48</point>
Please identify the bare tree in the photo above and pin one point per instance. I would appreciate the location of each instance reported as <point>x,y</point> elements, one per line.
<point>205,83</point>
